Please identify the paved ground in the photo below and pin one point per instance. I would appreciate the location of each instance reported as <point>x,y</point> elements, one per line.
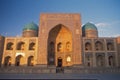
<point>62,76</point>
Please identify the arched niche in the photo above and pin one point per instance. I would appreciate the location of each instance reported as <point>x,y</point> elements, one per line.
<point>68,46</point>
<point>19,60</point>
<point>59,47</point>
<point>21,46</point>
<point>7,61</point>
<point>9,46</point>
<point>100,60</point>
<point>111,61</point>
<point>98,45</point>
<point>32,46</point>
<point>30,61</point>
<point>110,46</point>
<point>88,59</point>
<point>88,46</point>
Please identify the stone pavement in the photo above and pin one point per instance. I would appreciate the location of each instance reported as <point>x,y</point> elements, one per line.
<point>110,76</point>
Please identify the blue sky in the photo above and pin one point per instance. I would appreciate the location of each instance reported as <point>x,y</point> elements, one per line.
<point>105,14</point>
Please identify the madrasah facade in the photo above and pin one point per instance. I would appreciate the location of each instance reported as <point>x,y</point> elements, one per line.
<point>59,44</point>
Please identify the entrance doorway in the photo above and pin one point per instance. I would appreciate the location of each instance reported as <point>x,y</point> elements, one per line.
<point>59,68</point>
<point>59,64</point>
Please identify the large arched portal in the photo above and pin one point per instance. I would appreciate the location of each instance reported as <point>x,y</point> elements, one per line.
<point>59,44</point>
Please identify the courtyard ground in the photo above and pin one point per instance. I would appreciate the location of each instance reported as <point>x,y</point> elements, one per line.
<point>108,76</point>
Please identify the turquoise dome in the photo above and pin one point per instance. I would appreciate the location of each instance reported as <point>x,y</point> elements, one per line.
<point>31,26</point>
<point>89,26</point>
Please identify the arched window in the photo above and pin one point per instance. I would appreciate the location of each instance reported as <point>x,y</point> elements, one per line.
<point>100,61</point>
<point>32,46</point>
<point>9,46</point>
<point>18,60</point>
<point>98,46</point>
<point>68,59</point>
<point>20,46</point>
<point>7,61</point>
<point>51,53</point>
<point>51,47</point>
<point>111,61</point>
<point>30,61</point>
<point>88,46</point>
<point>68,46</point>
<point>110,46</point>
<point>59,47</point>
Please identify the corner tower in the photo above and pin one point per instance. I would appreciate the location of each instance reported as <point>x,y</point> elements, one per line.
<point>60,39</point>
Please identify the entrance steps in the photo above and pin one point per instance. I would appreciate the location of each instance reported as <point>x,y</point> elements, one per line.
<point>37,70</point>
<point>59,70</point>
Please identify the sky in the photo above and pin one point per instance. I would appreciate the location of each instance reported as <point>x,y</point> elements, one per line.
<point>15,14</point>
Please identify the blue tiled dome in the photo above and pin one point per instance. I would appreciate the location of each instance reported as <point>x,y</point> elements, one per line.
<point>31,26</point>
<point>89,26</point>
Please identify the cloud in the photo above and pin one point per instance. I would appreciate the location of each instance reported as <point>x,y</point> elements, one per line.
<point>102,24</point>
<point>109,29</point>
<point>116,35</point>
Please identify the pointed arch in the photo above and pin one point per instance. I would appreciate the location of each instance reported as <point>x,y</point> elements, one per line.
<point>59,27</point>
<point>59,35</point>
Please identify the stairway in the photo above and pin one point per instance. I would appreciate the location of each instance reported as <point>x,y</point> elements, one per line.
<point>59,70</point>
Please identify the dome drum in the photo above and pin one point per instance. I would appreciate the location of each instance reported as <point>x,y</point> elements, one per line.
<point>30,30</point>
<point>30,33</point>
<point>89,30</point>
